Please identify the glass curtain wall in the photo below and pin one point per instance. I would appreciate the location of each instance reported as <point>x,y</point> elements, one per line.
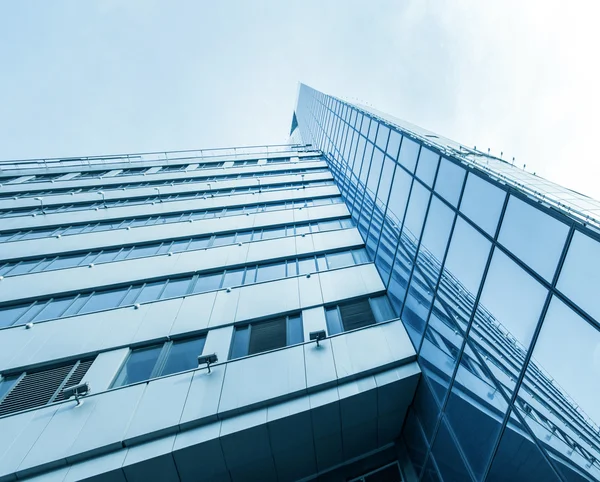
<point>496,289</point>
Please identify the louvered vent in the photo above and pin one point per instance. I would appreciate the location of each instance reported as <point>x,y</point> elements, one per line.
<point>41,387</point>
<point>267,335</point>
<point>356,314</point>
<point>75,378</point>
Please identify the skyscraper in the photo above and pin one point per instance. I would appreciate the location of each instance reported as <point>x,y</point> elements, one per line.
<point>371,302</point>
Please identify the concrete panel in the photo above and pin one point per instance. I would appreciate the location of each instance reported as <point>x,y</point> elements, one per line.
<point>106,365</point>
<point>218,341</point>
<point>269,298</point>
<point>200,447</point>
<point>304,244</point>
<point>194,314</point>
<point>105,428</point>
<point>203,398</point>
<point>160,408</point>
<point>151,461</point>
<point>10,428</point>
<point>260,378</point>
<point>310,290</point>
<point>225,307</point>
<point>238,255</point>
<point>371,278</point>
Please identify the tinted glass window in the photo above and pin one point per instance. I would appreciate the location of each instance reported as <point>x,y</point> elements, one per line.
<point>449,181</point>
<point>183,355</point>
<point>139,366</point>
<point>409,150</point>
<point>208,282</point>
<point>271,271</point>
<point>482,203</point>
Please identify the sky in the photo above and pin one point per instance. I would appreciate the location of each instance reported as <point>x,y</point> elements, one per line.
<point>86,78</point>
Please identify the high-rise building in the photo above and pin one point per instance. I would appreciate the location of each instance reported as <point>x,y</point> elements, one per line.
<point>371,302</point>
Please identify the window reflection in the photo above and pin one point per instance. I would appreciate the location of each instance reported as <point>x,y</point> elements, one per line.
<point>427,166</point>
<point>482,202</point>
<point>449,181</point>
<point>409,151</point>
<point>534,236</point>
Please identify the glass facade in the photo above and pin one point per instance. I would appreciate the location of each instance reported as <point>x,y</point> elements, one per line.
<point>494,273</point>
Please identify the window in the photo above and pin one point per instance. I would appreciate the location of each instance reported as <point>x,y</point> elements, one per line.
<point>267,335</point>
<point>35,388</point>
<point>358,314</point>
<point>159,360</point>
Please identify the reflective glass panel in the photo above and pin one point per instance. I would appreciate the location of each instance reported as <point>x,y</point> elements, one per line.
<point>375,171</point>
<point>513,299</point>
<point>398,195</point>
<point>449,181</point>
<point>482,202</point>
<point>467,256</point>
<point>271,271</point>
<point>176,287</point>
<point>334,321</point>
<point>339,260</point>
<point>409,150</point>
<point>414,440</point>
<point>534,236</point>
<point>415,215</point>
<point>385,183</point>
<point>518,459</point>
<point>208,282</point>
<point>580,275</point>
<point>233,277</point>
<point>393,144</point>
<point>150,291</point>
<point>427,166</point>
<point>306,266</point>
<point>435,237</point>
<point>382,137</point>
<point>183,355</point>
<point>295,332</point>
<point>104,300</point>
<point>139,366</point>
<point>382,309</point>
<point>449,460</point>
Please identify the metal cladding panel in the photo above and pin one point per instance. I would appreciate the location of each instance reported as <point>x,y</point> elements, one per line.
<point>199,449</point>
<point>19,447</point>
<point>105,428</point>
<point>160,407</point>
<point>195,313</point>
<point>203,398</point>
<point>370,349</point>
<point>259,378</point>
<point>268,298</point>
<point>151,461</point>
<point>320,364</point>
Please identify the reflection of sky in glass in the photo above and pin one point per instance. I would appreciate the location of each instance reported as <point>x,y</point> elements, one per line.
<point>568,348</point>
<point>513,297</point>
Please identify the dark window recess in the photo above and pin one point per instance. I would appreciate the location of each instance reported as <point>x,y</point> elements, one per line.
<point>356,314</point>
<point>40,387</point>
<point>267,335</point>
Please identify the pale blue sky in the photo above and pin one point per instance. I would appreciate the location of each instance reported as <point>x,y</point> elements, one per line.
<point>119,76</point>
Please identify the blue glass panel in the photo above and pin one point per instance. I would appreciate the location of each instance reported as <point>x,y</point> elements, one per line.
<point>518,459</point>
<point>449,181</point>
<point>399,195</point>
<point>482,202</point>
<point>385,183</point>
<point>449,460</point>
<point>409,151</point>
<point>366,163</point>
<point>394,144</point>
<point>375,171</point>
<point>412,434</point>
<point>534,236</point>
<point>415,215</point>
<point>427,166</point>
<point>334,321</point>
<point>176,287</point>
<point>102,300</point>
<point>208,282</point>
<point>382,137</point>
<point>139,366</point>
<point>241,341</point>
<point>295,333</point>
<point>183,355</point>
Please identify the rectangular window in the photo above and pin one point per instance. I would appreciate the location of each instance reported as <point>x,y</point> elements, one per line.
<point>267,335</point>
<point>358,314</point>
